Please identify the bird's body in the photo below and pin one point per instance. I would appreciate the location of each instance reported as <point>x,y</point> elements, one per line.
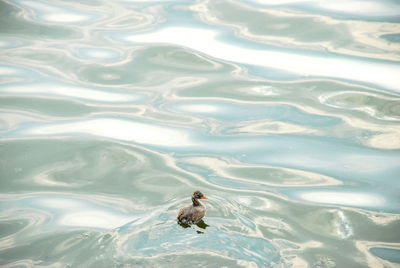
<point>192,213</point>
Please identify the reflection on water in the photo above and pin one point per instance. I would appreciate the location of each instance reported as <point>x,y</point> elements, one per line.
<point>286,113</point>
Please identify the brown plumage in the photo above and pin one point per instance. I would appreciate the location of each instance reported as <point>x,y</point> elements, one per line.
<point>192,213</point>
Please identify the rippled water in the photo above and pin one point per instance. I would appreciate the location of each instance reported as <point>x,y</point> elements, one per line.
<point>284,113</point>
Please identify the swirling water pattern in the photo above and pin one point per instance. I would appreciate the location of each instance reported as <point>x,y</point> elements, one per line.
<point>284,113</point>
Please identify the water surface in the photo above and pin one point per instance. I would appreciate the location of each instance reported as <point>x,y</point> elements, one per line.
<point>286,114</point>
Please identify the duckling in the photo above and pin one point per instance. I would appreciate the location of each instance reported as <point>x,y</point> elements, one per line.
<point>192,213</point>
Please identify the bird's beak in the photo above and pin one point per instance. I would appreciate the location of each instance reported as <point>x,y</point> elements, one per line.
<point>203,197</point>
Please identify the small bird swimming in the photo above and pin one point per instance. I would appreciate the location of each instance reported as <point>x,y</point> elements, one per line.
<point>193,213</point>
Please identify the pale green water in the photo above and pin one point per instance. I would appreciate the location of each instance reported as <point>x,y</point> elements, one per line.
<point>286,114</point>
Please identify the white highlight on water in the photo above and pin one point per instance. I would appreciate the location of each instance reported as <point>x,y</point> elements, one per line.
<point>343,198</point>
<point>125,130</point>
<point>208,42</point>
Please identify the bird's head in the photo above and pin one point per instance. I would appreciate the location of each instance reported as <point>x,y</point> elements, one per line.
<point>198,195</point>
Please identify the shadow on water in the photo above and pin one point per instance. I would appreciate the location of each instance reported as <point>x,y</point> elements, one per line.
<point>201,224</point>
